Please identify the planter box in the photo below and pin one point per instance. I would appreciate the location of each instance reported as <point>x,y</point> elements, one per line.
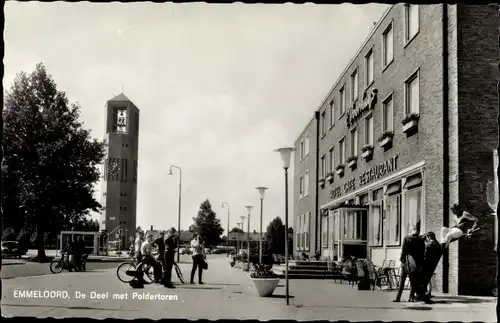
<point>340,172</point>
<point>352,163</point>
<point>322,183</point>
<point>410,126</point>
<point>265,286</point>
<point>385,142</point>
<point>367,153</point>
<point>330,178</point>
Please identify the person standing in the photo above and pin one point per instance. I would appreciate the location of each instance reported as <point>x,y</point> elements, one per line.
<point>170,247</point>
<point>198,258</point>
<point>148,259</point>
<point>432,255</point>
<point>412,259</point>
<point>137,251</point>
<point>160,244</point>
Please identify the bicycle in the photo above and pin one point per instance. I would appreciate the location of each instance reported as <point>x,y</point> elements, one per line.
<point>131,266</point>
<point>57,265</point>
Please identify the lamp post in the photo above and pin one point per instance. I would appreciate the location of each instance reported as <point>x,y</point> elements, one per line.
<point>262,192</point>
<point>238,238</point>
<point>179,217</point>
<point>249,210</point>
<point>227,238</point>
<point>286,154</point>
<point>242,229</point>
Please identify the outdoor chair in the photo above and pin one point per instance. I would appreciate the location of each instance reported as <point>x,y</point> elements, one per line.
<point>382,275</point>
<point>334,270</point>
<point>391,273</point>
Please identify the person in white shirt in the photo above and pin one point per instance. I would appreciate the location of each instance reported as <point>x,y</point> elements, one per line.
<point>148,259</point>
<point>138,243</point>
<point>198,258</point>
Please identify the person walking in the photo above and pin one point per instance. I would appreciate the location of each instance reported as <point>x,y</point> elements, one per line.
<point>170,247</point>
<point>412,259</point>
<point>432,255</point>
<point>198,258</point>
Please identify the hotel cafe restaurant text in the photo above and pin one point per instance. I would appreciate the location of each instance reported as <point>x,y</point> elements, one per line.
<point>399,139</point>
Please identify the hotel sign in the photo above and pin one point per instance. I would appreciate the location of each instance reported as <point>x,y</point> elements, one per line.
<point>354,113</point>
<point>384,168</point>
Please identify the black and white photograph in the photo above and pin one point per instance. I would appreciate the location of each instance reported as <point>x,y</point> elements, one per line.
<point>251,161</point>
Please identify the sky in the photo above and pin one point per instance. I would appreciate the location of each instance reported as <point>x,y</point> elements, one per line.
<point>219,88</point>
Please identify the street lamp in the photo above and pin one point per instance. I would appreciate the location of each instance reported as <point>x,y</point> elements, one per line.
<point>286,154</point>
<point>262,192</point>
<point>249,210</point>
<point>242,229</point>
<point>238,247</point>
<point>227,235</point>
<point>179,218</point>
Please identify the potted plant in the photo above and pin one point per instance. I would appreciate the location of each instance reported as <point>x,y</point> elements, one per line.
<point>367,151</point>
<point>329,177</point>
<point>340,170</point>
<point>352,161</point>
<point>410,122</point>
<point>264,279</point>
<point>385,138</point>
<point>322,182</point>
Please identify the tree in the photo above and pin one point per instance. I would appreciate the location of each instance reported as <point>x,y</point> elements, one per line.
<point>207,225</point>
<point>51,161</point>
<point>235,229</point>
<point>275,236</point>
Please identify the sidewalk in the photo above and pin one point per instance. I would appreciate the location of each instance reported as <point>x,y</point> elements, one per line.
<point>229,293</point>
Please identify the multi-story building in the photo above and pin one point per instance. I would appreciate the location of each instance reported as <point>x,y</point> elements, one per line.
<point>408,130</point>
<point>119,185</point>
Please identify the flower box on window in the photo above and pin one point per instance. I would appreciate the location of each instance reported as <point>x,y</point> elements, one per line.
<point>322,183</point>
<point>329,177</point>
<point>340,170</point>
<point>385,140</point>
<point>352,161</point>
<point>410,122</point>
<point>367,151</point>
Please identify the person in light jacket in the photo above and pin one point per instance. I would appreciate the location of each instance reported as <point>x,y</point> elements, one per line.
<point>199,257</point>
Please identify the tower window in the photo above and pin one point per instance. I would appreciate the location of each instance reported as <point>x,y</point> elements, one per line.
<point>120,120</point>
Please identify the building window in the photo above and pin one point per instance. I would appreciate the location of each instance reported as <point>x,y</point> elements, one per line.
<point>332,113</point>
<point>342,151</point>
<point>306,183</point>
<point>301,186</point>
<point>376,218</point>
<point>306,145</point>
<point>388,45</point>
<point>412,97</point>
<point>411,21</point>
<point>393,214</point>
<point>331,160</point>
<point>354,85</point>
<point>354,142</point>
<point>353,225</point>
<point>299,232</point>
<point>323,123</point>
<point>369,68</point>
<point>324,232</point>
<point>121,120</point>
<point>323,166</point>
<point>369,130</point>
<point>388,114</point>
<point>307,244</point>
<point>342,100</point>
<point>363,199</point>
<point>302,151</point>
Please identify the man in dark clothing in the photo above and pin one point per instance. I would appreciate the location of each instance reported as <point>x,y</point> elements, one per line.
<point>170,247</point>
<point>160,244</point>
<point>412,259</point>
<point>432,255</point>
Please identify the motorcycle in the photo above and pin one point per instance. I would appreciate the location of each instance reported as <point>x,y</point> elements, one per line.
<point>57,265</point>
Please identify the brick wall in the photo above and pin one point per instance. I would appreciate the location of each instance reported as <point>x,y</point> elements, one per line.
<point>477,106</point>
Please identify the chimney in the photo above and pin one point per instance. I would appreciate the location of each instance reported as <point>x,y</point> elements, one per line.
<point>151,227</point>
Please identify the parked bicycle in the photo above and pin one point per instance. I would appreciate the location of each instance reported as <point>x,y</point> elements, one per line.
<point>57,265</point>
<point>126,271</point>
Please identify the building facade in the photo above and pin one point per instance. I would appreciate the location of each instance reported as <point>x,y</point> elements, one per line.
<point>119,185</point>
<point>408,130</point>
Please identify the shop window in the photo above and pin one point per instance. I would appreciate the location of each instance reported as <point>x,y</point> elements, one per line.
<point>392,222</point>
<point>331,228</point>
<point>324,232</point>
<point>354,225</point>
<point>363,199</point>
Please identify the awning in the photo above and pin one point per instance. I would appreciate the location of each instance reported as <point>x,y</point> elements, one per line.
<point>394,188</point>
<point>413,181</point>
<point>350,207</point>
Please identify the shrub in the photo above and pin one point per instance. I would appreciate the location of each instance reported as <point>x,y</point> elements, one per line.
<point>263,271</point>
<point>366,148</point>
<point>411,117</point>
<point>352,158</point>
<point>385,134</point>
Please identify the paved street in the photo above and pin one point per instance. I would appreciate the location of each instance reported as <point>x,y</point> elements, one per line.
<point>228,293</point>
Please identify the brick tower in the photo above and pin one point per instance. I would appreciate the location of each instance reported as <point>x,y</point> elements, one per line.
<point>119,185</point>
